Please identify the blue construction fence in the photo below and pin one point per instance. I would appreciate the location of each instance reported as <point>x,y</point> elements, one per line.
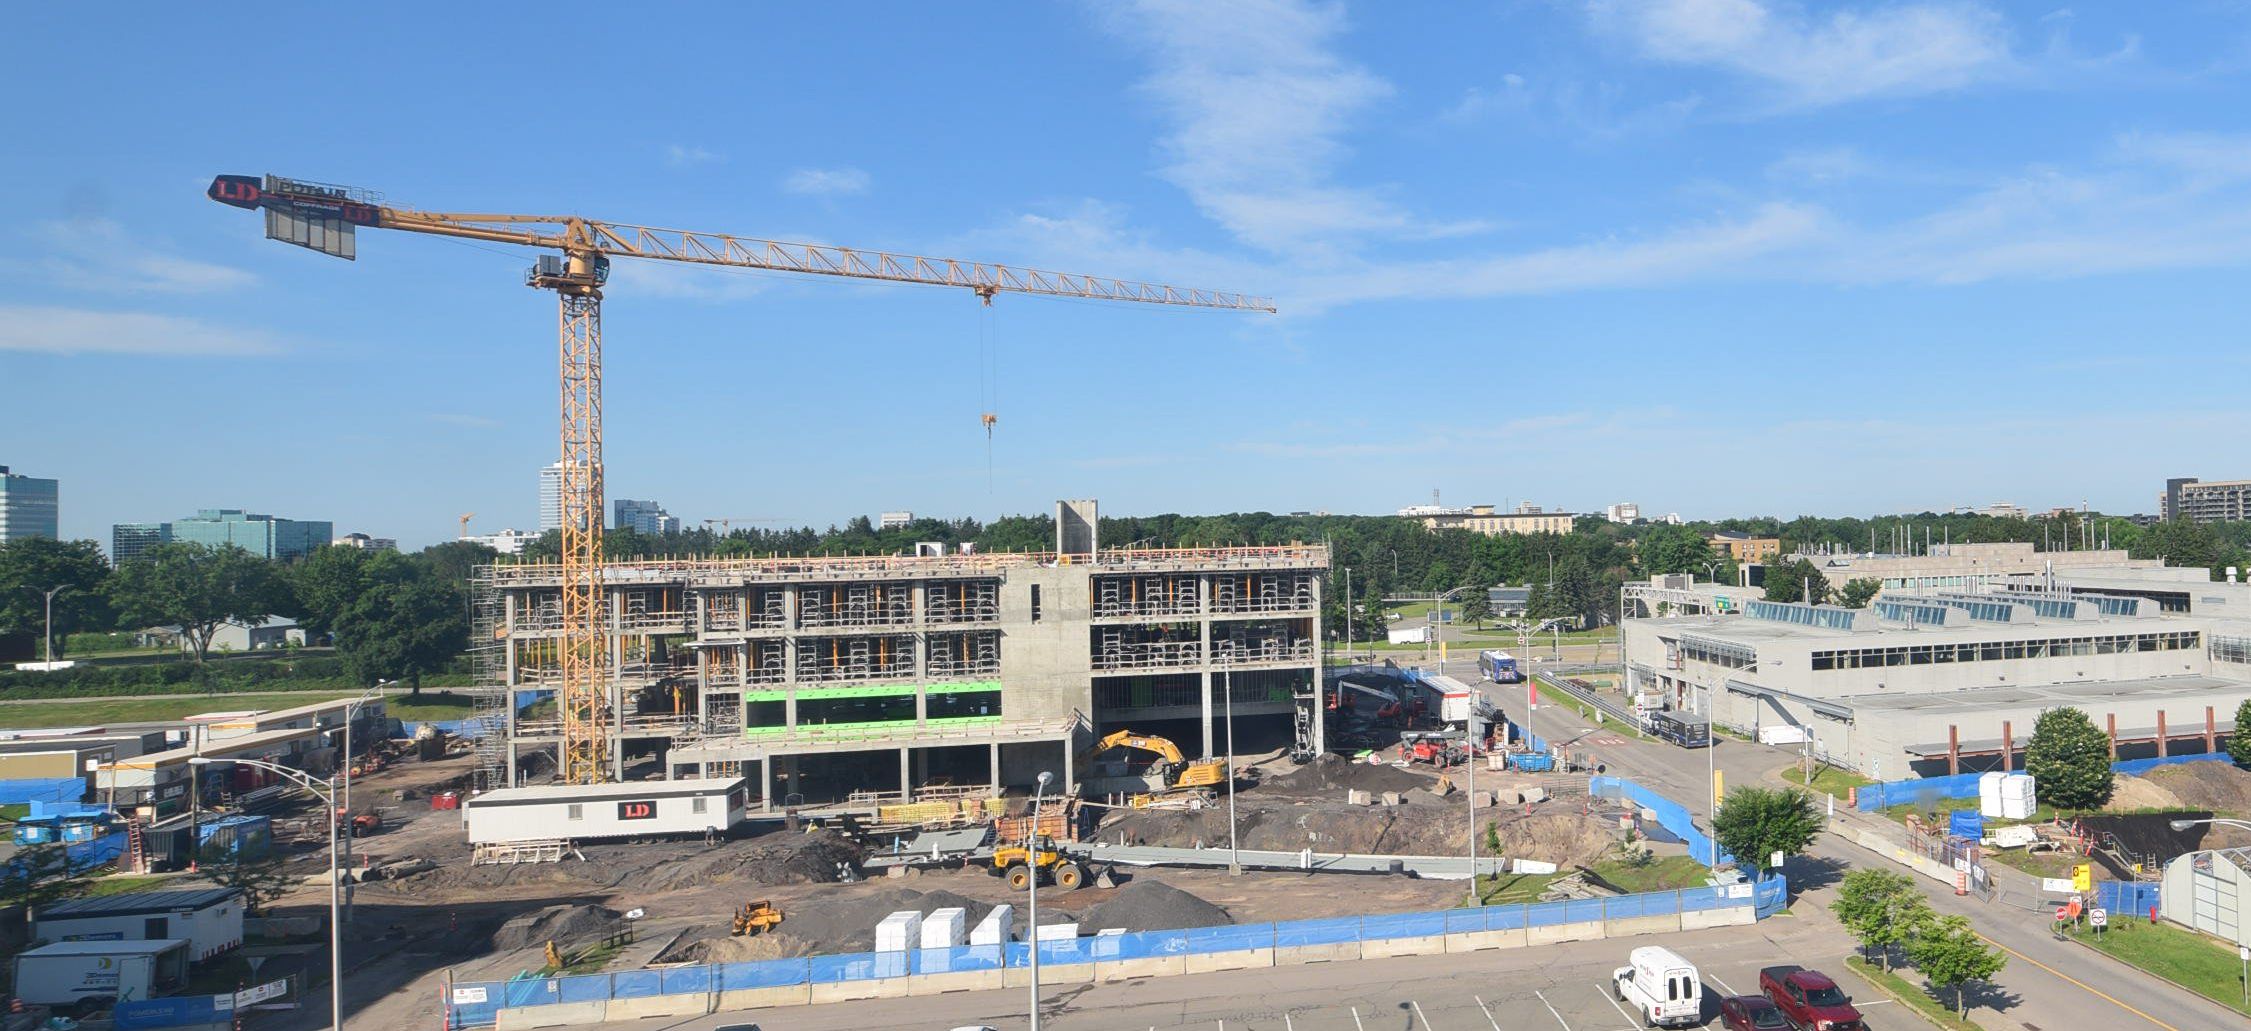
<point>1670,815</point>
<point>477,1003</point>
<point>172,1011</point>
<point>2127,898</point>
<point>1924,791</point>
<point>471,728</point>
<point>51,790</point>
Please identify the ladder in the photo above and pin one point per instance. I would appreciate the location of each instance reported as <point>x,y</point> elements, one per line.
<point>136,847</point>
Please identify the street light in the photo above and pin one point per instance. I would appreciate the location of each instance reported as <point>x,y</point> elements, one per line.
<point>1227,688</point>
<point>50,637</point>
<point>350,715</point>
<point>335,876</point>
<point>1032,895</point>
<point>2182,825</point>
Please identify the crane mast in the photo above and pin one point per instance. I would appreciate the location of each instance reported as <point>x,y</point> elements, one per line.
<point>326,218</point>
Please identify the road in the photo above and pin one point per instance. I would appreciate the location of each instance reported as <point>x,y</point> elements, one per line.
<point>1552,988</point>
<point>2047,986</point>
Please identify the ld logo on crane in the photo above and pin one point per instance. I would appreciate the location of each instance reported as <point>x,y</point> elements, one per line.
<point>636,810</point>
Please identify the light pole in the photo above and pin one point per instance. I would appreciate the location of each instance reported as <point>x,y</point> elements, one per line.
<point>335,877</point>
<point>1227,688</point>
<point>49,639</point>
<point>1032,896</point>
<point>350,714</point>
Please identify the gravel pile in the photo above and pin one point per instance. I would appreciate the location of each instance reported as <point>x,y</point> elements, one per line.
<point>1333,775</point>
<point>560,924</point>
<point>1146,905</point>
<point>2218,786</point>
<point>848,924</point>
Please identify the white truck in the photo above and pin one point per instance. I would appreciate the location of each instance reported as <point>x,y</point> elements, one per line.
<point>1661,986</point>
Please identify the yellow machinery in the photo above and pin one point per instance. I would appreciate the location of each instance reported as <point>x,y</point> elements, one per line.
<point>753,918</point>
<point>326,219</point>
<point>1176,771</point>
<point>1019,863</point>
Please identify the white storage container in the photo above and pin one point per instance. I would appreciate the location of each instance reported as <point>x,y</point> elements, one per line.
<point>2018,797</point>
<point>1989,793</point>
<point>899,932</point>
<point>943,928</point>
<point>997,928</point>
<point>1057,932</point>
<point>994,929</point>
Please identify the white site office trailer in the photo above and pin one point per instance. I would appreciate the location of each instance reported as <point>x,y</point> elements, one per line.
<point>597,812</point>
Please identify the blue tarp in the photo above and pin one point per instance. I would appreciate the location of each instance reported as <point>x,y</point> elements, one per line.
<point>1965,823</point>
<point>1671,815</point>
<point>176,1011</point>
<point>57,790</point>
<point>1926,791</point>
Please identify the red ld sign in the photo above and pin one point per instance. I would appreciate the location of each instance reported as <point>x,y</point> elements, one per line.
<point>636,810</point>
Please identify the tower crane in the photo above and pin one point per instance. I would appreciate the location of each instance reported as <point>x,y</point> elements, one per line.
<point>326,218</point>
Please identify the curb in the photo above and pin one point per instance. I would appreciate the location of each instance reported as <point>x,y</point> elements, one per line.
<point>1886,992</point>
<point>2151,974</point>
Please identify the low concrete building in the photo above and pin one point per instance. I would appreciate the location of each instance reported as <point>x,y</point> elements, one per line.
<point>2211,892</point>
<point>208,919</point>
<point>1743,547</point>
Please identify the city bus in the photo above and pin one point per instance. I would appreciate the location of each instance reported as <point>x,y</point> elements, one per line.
<point>1687,730</point>
<point>1498,667</point>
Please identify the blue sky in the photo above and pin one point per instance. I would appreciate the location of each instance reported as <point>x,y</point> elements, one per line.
<point>1724,257</point>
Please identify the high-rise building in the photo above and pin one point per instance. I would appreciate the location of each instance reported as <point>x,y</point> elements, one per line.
<point>551,497</point>
<point>28,507</point>
<point>128,541</point>
<point>2197,501</point>
<point>893,520</point>
<point>645,517</point>
<point>262,535</point>
<point>506,542</point>
<point>1623,512</point>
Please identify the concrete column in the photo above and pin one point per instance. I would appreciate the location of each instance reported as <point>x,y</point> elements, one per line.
<point>1205,676</point>
<point>1203,627</point>
<point>993,763</point>
<point>789,709</point>
<point>765,783</point>
<point>2008,748</point>
<point>921,704</point>
<point>2211,732</point>
<point>2110,724</point>
<point>906,770</point>
<point>1070,775</point>
<point>1953,749</point>
<point>2162,742</point>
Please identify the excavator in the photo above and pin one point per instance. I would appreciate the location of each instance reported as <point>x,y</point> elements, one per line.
<point>1175,771</point>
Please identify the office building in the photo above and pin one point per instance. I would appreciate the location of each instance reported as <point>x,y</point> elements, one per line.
<point>1974,565</point>
<point>2199,502</point>
<point>893,520</point>
<point>262,535</point>
<point>819,676</point>
<point>1527,518</point>
<point>1623,512</point>
<point>1743,547</point>
<point>127,541</point>
<point>1997,510</point>
<point>366,543</point>
<point>551,497</point>
<point>645,517</point>
<point>506,542</point>
<point>29,507</point>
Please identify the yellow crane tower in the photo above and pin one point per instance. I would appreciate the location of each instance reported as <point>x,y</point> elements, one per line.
<point>325,218</point>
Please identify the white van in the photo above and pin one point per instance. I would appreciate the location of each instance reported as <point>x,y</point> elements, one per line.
<point>1661,986</point>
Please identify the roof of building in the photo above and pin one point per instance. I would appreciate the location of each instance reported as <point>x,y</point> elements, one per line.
<point>138,902</point>
<point>145,947</point>
<point>598,792</point>
<point>217,750</point>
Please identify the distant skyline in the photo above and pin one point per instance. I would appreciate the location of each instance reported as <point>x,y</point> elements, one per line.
<point>1720,257</point>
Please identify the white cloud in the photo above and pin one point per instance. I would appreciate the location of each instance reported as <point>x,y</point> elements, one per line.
<point>826,182</point>
<point>1257,100</point>
<point>1819,166</point>
<point>1813,60</point>
<point>73,331</point>
<point>97,254</point>
<point>683,156</point>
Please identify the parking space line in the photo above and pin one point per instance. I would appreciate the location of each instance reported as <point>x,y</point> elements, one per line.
<point>1723,985</point>
<point>1488,1013</point>
<point>1419,1014</point>
<point>1551,1010</point>
<point>1614,1004</point>
<point>1356,1019</point>
<point>1288,1025</point>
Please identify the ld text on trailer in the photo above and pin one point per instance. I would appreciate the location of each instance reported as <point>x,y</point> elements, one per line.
<point>598,812</point>
<point>1497,666</point>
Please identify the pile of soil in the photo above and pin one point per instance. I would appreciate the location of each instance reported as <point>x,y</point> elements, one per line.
<point>1558,836</point>
<point>560,924</point>
<point>776,858</point>
<point>2217,786</point>
<point>1332,775</point>
<point>2128,793</point>
<point>847,924</point>
<point>1147,905</point>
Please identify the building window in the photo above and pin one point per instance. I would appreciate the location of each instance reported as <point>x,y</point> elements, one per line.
<point>574,811</point>
<point>1035,603</point>
<point>696,804</point>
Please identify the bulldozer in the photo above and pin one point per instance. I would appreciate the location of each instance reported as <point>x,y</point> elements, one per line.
<point>754,918</point>
<point>1175,771</point>
<point>1020,863</point>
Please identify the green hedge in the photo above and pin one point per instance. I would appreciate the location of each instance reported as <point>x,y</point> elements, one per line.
<point>308,673</point>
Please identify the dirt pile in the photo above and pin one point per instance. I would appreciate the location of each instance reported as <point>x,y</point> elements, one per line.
<point>847,924</point>
<point>2130,793</point>
<point>1146,905</point>
<point>724,949</point>
<point>562,924</point>
<point>1560,835</point>
<point>1332,775</point>
<point>2217,786</point>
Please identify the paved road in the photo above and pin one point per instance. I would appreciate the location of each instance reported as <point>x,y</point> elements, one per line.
<point>1555,988</point>
<point>2047,986</point>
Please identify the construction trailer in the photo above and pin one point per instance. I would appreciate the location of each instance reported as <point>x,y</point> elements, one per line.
<point>65,973</point>
<point>600,812</point>
<point>208,919</point>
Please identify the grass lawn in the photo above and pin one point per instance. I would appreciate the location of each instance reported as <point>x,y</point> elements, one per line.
<point>29,715</point>
<point>119,884</point>
<point>2038,864</point>
<point>431,705</point>
<point>1510,889</point>
<point>1663,874</point>
<point>15,811</point>
<point>1829,780</point>
<point>1910,994</point>
<point>2201,964</point>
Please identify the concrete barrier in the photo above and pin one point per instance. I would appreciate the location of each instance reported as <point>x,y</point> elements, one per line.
<point>678,1005</point>
<point>1213,962</point>
<point>1477,941</point>
<point>961,981</point>
<point>1128,969</point>
<point>1385,948</point>
<point>873,988</point>
<point>561,1014</point>
<point>1619,928</point>
<point>1330,953</point>
<point>1734,916</point>
<point>1585,930</point>
<point>1051,973</point>
<point>762,998</point>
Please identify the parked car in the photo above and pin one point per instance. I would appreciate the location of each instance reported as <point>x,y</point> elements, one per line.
<point>1810,999</point>
<point>1661,986</point>
<point>1752,1013</point>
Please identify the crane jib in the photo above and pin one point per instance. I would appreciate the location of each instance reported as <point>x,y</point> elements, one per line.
<point>249,191</point>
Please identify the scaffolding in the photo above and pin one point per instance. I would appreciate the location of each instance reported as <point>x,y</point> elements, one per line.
<point>1152,595</point>
<point>972,654</point>
<point>488,664</point>
<point>961,601</point>
<point>832,660</point>
<point>883,603</point>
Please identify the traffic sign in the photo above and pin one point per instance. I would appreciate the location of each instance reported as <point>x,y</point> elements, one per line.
<point>2098,917</point>
<point>2083,877</point>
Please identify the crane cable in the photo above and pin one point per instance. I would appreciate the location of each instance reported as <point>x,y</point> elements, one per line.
<point>988,380</point>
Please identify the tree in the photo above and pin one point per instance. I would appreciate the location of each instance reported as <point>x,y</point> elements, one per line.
<point>254,869</point>
<point>1796,581</point>
<point>2239,745</point>
<point>326,582</point>
<point>1881,909</point>
<point>401,629</point>
<point>1476,606</point>
<point>32,566</point>
<point>1951,955</point>
<point>39,874</point>
<point>197,588</point>
<point>1753,823</point>
<point>1672,549</point>
<point>2070,759</point>
<point>1857,593</point>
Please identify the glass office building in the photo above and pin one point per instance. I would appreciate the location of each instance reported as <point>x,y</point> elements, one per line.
<point>28,507</point>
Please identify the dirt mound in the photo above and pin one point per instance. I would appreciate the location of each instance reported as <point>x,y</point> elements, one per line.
<point>1333,775</point>
<point>560,924</point>
<point>746,949</point>
<point>1560,836</point>
<point>846,924</point>
<point>2129,793</point>
<point>2217,786</point>
<point>1146,905</point>
<point>777,858</point>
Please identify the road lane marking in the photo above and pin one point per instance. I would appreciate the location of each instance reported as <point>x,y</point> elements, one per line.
<point>1873,1002</point>
<point>1488,1013</point>
<point>1723,985</point>
<point>1419,1012</point>
<point>1356,1019</point>
<point>1288,1025</point>
<point>1612,999</point>
<point>1551,1010</point>
<point>2096,991</point>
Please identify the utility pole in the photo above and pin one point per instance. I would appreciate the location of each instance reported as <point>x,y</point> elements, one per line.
<point>50,635</point>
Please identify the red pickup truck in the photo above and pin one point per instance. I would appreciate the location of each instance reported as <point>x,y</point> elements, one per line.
<point>1810,999</point>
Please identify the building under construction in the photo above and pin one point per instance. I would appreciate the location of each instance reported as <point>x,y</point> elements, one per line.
<point>821,678</point>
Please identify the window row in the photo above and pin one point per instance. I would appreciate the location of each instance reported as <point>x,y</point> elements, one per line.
<point>1987,651</point>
